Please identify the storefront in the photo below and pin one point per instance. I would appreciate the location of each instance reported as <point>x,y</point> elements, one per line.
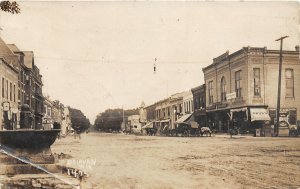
<point>248,119</point>
<point>162,124</point>
<point>219,120</point>
<point>200,117</point>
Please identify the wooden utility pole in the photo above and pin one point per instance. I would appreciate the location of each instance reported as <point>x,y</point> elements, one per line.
<point>279,86</point>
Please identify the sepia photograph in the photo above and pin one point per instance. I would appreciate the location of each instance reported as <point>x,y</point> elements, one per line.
<point>100,94</point>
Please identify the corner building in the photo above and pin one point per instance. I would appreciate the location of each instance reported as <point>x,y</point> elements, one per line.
<point>241,88</point>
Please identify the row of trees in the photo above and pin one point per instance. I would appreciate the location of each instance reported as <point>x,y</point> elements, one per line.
<point>111,119</point>
<point>79,121</point>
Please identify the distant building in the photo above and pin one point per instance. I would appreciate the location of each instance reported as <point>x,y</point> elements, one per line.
<point>47,119</point>
<point>150,112</point>
<point>168,111</point>
<point>199,104</point>
<point>66,124</point>
<point>188,104</point>
<point>143,113</point>
<point>134,122</point>
<point>29,88</point>
<point>57,112</point>
<point>241,88</point>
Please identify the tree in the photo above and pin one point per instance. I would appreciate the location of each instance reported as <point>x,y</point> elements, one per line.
<point>112,119</point>
<point>10,6</point>
<point>78,120</point>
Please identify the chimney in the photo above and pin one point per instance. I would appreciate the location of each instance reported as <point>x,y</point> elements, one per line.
<point>297,48</point>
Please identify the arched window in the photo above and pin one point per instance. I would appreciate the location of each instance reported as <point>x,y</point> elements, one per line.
<point>223,89</point>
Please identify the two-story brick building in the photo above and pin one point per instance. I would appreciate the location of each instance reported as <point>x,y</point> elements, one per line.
<point>241,88</point>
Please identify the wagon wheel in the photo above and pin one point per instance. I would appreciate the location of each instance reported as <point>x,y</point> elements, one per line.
<point>173,133</point>
<point>198,133</point>
<point>186,133</point>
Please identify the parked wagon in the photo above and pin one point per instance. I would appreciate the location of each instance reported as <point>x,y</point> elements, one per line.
<point>150,129</point>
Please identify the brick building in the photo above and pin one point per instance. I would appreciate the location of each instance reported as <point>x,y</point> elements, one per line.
<point>241,88</point>
<point>29,84</point>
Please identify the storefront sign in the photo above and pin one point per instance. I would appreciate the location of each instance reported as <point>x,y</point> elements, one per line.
<point>231,96</point>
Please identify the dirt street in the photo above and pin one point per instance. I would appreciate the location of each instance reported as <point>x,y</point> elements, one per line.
<point>128,161</point>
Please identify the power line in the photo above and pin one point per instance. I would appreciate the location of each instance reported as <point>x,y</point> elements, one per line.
<point>100,61</point>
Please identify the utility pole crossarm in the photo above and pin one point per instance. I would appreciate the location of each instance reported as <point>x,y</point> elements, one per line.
<point>281,38</point>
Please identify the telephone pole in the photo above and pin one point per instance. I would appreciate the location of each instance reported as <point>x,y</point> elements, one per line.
<point>279,86</point>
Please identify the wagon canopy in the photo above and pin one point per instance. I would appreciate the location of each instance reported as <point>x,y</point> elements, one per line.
<point>184,119</point>
<point>148,125</point>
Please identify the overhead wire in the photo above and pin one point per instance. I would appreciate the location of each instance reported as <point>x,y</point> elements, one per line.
<point>123,62</point>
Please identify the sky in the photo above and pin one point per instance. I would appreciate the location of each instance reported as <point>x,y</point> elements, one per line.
<point>97,55</point>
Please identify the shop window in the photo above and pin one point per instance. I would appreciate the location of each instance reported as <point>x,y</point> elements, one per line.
<point>238,83</point>
<point>256,80</point>
<point>223,89</point>
<point>289,79</point>
<point>210,92</point>
<point>292,117</point>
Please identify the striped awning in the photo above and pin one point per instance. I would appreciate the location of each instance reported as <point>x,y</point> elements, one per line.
<point>183,118</point>
<point>259,114</point>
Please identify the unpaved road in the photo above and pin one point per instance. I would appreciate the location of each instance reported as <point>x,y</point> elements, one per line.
<point>128,161</point>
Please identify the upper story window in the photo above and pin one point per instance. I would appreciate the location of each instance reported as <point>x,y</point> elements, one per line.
<point>3,90</point>
<point>14,93</point>
<point>10,91</point>
<point>289,79</point>
<point>210,92</point>
<point>223,89</point>
<point>256,80</point>
<point>238,83</point>
<point>180,108</point>
<point>200,102</point>
<point>7,89</point>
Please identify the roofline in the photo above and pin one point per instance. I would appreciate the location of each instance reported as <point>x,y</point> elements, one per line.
<point>223,56</point>
<point>10,66</point>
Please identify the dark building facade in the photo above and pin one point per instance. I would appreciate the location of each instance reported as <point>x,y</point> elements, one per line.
<point>29,85</point>
<point>199,105</point>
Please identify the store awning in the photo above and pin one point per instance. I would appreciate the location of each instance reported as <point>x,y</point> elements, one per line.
<point>148,125</point>
<point>232,111</point>
<point>165,121</point>
<point>183,118</point>
<point>259,114</point>
<point>238,110</point>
